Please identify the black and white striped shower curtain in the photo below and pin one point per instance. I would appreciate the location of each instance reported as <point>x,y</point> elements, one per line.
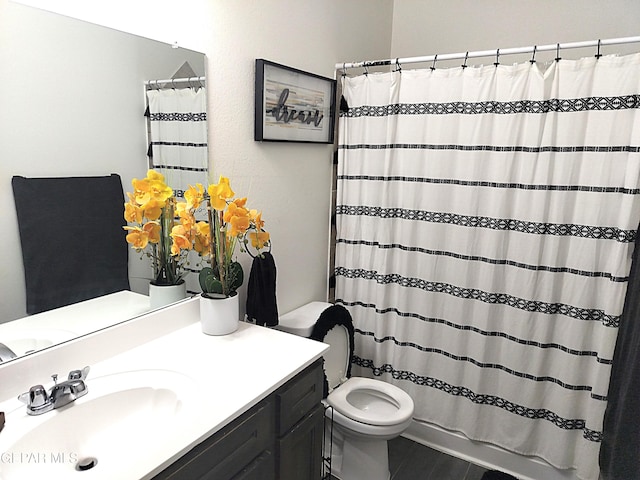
<point>486,218</point>
<point>178,147</point>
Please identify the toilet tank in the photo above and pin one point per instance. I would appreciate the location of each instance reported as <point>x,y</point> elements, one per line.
<point>301,320</point>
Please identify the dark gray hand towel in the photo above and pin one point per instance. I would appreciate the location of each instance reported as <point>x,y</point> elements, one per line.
<point>261,291</point>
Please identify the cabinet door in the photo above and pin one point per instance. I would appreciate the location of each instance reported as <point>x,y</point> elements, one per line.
<point>227,453</point>
<point>300,451</point>
<point>298,397</point>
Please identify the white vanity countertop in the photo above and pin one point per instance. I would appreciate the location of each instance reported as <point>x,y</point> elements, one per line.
<point>226,376</point>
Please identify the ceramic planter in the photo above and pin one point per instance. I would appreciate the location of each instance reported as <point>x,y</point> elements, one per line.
<point>219,315</point>
<point>161,295</point>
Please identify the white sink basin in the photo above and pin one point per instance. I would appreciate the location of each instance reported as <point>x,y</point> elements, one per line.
<point>26,341</point>
<point>107,431</point>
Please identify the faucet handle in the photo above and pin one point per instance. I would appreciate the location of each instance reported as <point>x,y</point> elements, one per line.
<point>79,374</point>
<point>35,398</point>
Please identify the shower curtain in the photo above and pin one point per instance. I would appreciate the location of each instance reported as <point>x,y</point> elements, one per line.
<point>486,218</point>
<point>178,147</point>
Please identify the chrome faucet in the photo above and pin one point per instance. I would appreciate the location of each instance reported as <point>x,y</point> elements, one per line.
<point>6,353</point>
<point>39,401</point>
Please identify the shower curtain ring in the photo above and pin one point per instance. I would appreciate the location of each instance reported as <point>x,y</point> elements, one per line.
<point>598,55</point>
<point>435,59</point>
<point>497,62</point>
<point>533,57</point>
<point>398,67</point>
<point>558,58</point>
<point>466,56</point>
<point>344,69</point>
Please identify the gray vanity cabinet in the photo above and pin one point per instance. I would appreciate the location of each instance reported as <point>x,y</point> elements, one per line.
<point>300,424</point>
<point>278,439</point>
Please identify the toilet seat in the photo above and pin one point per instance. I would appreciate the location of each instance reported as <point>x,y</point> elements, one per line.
<point>372,402</point>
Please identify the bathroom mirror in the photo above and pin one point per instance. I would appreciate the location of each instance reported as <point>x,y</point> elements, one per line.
<point>73,103</point>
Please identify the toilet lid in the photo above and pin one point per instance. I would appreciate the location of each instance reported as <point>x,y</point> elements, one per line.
<point>336,360</point>
<point>302,320</point>
<point>394,405</point>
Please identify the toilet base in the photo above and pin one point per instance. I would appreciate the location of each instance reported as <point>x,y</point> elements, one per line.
<point>357,458</point>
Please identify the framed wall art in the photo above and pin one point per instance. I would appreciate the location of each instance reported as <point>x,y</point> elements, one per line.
<point>292,105</point>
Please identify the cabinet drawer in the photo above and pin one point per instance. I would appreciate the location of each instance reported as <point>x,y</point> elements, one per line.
<point>226,454</point>
<point>262,468</point>
<point>298,397</point>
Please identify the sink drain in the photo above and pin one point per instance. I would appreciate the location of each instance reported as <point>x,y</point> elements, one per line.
<point>86,464</point>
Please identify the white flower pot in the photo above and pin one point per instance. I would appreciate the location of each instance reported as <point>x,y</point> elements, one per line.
<point>219,316</point>
<point>161,295</point>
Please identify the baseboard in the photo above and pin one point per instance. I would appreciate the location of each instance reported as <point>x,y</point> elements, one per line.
<point>483,454</point>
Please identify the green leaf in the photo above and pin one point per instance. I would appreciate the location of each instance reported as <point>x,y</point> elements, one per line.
<point>208,281</point>
<point>235,276</point>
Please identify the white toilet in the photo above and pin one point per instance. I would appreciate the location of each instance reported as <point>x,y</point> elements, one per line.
<point>366,412</point>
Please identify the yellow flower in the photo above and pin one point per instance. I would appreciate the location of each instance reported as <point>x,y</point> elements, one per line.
<point>159,190</point>
<point>256,218</point>
<point>259,239</point>
<point>153,209</point>
<point>219,193</point>
<point>194,195</point>
<point>154,176</point>
<point>181,239</point>
<point>141,190</point>
<point>137,237</point>
<point>132,212</point>
<point>153,231</point>
<point>181,209</point>
<point>237,217</point>
<point>202,240</point>
<point>183,212</point>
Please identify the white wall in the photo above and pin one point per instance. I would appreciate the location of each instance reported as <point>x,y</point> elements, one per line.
<point>427,27</point>
<point>290,182</point>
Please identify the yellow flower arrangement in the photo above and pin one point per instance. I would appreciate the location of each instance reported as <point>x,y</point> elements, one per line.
<point>151,213</point>
<point>230,223</point>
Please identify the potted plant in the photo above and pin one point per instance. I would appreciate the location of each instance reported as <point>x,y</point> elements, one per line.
<point>231,224</point>
<point>150,213</point>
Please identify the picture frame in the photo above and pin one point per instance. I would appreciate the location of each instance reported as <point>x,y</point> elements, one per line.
<point>292,105</point>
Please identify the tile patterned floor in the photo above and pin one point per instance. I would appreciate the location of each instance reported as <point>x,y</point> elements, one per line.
<point>409,460</point>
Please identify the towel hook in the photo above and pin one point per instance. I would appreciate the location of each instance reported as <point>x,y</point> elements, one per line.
<point>497,62</point>
<point>435,59</point>
<point>558,58</point>
<point>598,55</point>
<point>466,56</point>
<point>533,57</point>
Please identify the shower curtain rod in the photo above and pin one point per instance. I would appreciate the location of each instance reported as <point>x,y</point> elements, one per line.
<point>173,81</point>
<point>489,53</point>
